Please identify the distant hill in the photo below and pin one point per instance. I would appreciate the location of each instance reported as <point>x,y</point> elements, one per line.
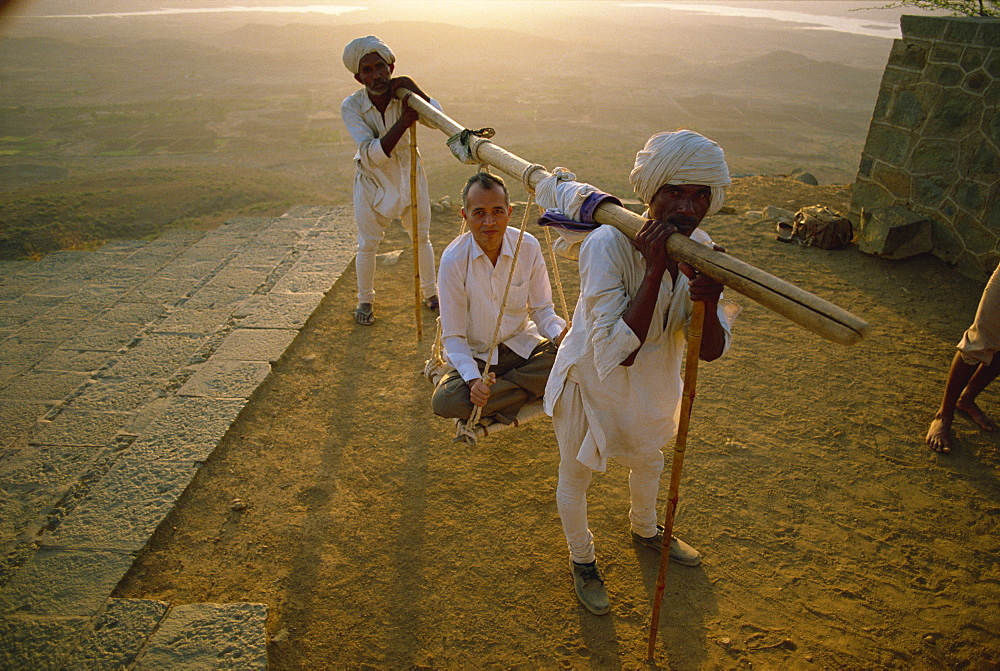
<point>785,71</point>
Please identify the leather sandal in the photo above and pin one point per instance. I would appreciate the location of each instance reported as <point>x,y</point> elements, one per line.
<point>364,314</point>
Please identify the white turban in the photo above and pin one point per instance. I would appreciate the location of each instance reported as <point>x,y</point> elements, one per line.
<point>360,47</point>
<point>682,157</point>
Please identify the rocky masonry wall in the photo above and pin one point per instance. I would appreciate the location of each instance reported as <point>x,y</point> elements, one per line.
<point>933,146</point>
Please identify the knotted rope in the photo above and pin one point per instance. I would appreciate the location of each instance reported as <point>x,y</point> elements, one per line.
<point>555,269</point>
<point>459,144</point>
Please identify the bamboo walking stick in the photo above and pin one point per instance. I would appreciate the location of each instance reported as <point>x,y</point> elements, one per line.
<point>680,445</point>
<point>416,241</point>
<point>805,309</point>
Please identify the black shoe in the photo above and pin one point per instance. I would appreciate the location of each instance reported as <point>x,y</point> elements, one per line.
<point>680,552</point>
<point>589,584</point>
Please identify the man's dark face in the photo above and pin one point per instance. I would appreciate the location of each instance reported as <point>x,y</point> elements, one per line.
<point>374,74</point>
<point>683,205</point>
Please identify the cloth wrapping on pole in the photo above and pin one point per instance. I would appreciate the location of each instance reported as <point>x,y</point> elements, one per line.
<point>570,208</point>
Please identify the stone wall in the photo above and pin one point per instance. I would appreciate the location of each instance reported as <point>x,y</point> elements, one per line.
<point>933,146</point>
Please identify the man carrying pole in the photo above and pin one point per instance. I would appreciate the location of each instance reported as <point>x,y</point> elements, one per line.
<point>376,120</point>
<point>615,388</point>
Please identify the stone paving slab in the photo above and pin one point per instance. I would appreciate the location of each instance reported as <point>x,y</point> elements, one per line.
<point>121,370</point>
<point>111,394</point>
<point>102,337</point>
<point>92,428</point>
<point>212,297</point>
<point>49,467</point>
<point>39,644</point>
<point>209,636</point>
<point>18,349</point>
<point>64,582</point>
<point>195,321</point>
<point>298,281</point>
<point>127,312</point>
<point>50,329</point>
<point>189,428</point>
<point>17,417</point>
<point>42,386</point>
<point>21,509</point>
<point>255,345</point>
<point>157,355</point>
<point>121,511</point>
<point>226,379</point>
<point>279,311</point>
<point>73,361</point>
<point>118,635</point>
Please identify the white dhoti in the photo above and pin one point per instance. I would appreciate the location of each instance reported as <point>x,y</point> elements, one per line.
<point>371,230</point>
<point>569,421</point>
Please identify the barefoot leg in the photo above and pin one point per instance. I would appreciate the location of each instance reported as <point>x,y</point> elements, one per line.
<point>983,376</point>
<point>938,435</point>
<point>976,414</point>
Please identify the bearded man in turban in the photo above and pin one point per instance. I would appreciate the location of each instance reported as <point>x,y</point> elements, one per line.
<point>615,388</point>
<point>376,121</point>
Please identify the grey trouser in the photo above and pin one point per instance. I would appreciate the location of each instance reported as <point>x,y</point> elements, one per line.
<point>519,381</point>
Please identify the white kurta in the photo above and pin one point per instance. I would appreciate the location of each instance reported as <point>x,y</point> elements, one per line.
<point>630,410</point>
<point>384,180</point>
<point>471,291</point>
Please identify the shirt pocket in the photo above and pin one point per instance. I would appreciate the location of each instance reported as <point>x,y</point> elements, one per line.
<point>517,297</point>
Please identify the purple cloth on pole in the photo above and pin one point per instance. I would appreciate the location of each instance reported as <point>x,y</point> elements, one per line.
<point>559,220</point>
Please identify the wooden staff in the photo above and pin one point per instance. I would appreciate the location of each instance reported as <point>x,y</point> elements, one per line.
<point>805,309</point>
<point>687,400</point>
<point>416,241</point>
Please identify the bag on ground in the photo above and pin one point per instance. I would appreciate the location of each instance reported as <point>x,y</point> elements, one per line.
<point>819,226</point>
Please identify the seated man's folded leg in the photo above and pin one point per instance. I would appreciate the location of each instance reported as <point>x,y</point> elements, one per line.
<point>451,397</point>
<point>519,381</point>
<point>534,372</point>
<point>506,399</point>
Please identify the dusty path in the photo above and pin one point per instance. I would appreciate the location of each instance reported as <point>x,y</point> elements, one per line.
<point>833,538</point>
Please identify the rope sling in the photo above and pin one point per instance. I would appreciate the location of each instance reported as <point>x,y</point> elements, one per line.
<point>475,427</point>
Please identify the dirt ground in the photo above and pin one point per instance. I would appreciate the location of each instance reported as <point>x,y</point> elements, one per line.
<point>832,537</point>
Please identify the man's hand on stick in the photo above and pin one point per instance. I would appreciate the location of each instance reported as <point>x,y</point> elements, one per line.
<point>409,115</point>
<point>406,83</point>
<point>701,287</point>
<point>479,391</point>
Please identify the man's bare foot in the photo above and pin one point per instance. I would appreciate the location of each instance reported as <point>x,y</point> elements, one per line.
<point>939,436</point>
<point>975,413</point>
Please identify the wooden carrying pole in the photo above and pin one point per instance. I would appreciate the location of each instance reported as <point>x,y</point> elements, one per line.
<point>805,309</point>
<point>415,236</point>
<point>680,445</point>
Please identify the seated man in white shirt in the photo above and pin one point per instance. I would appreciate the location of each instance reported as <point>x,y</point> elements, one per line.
<point>472,277</point>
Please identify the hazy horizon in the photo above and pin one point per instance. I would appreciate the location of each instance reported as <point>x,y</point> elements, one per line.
<point>814,15</point>
<point>202,85</point>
